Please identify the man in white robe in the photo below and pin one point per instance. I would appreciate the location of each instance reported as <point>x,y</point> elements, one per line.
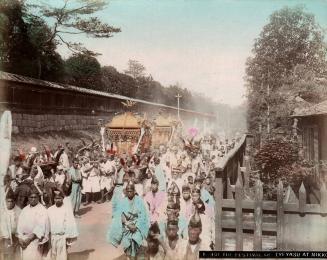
<point>108,171</point>
<point>63,159</point>
<point>33,228</point>
<point>195,244</point>
<point>8,228</point>
<point>173,245</point>
<point>63,227</point>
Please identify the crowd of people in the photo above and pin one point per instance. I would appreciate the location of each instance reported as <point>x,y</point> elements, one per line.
<point>162,200</point>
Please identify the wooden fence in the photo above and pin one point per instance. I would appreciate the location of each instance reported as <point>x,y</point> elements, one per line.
<point>247,222</point>
<point>227,168</point>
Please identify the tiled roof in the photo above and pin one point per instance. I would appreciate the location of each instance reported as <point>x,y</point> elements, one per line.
<point>22,79</point>
<point>317,109</point>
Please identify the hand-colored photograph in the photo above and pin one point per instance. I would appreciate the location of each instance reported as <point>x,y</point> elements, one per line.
<point>162,129</point>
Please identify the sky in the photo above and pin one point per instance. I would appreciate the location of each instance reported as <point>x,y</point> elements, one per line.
<point>200,44</point>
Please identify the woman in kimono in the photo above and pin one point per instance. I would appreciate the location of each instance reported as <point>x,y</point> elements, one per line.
<point>130,224</point>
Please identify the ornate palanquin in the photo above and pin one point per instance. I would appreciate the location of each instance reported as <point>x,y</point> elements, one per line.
<point>163,130</point>
<point>124,131</point>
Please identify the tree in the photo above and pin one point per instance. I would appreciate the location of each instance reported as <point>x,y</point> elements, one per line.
<point>117,83</point>
<point>22,44</point>
<point>73,18</point>
<point>290,39</point>
<point>135,69</point>
<point>83,71</point>
<point>16,50</point>
<point>49,62</point>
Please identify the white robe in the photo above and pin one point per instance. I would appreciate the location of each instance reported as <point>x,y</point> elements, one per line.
<point>33,220</point>
<point>9,222</point>
<point>178,252</point>
<point>62,226</point>
<point>91,180</point>
<point>208,230</point>
<point>107,181</point>
<point>64,161</point>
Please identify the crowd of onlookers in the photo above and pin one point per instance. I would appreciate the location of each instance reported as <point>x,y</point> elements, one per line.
<point>173,183</point>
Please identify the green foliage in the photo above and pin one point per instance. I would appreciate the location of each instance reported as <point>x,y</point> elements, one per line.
<point>116,82</point>
<point>16,49</point>
<point>135,69</point>
<point>23,48</point>
<point>290,45</point>
<point>274,154</point>
<point>50,63</point>
<point>278,160</point>
<point>73,17</point>
<point>83,71</point>
<point>30,35</point>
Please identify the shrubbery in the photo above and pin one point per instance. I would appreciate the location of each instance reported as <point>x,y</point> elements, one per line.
<point>278,160</point>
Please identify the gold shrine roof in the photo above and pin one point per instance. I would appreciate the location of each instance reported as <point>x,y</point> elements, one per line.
<point>162,121</point>
<point>126,120</point>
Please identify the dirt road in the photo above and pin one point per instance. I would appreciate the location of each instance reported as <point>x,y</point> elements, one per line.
<point>91,243</point>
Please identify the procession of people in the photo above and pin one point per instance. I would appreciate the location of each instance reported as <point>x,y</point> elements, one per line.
<point>162,200</point>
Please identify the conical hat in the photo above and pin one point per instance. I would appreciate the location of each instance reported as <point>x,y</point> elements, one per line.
<point>195,221</point>
<point>176,190</point>
<point>154,180</point>
<point>130,184</point>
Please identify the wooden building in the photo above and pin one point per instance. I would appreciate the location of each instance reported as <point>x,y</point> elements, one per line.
<point>41,106</point>
<point>312,130</point>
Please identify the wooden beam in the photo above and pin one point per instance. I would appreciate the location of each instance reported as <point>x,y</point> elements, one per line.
<point>323,199</point>
<point>272,206</point>
<point>302,199</point>
<point>229,189</point>
<point>218,214</point>
<point>257,242</point>
<point>280,216</point>
<point>239,215</point>
<point>230,223</point>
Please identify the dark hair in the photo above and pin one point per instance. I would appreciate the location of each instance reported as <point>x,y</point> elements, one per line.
<point>186,188</point>
<point>154,228</point>
<point>10,195</point>
<point>17,159</point>
<point>173,205</point>
<point>6,178</point>
<point>172,222</point>
<point>202,207</point>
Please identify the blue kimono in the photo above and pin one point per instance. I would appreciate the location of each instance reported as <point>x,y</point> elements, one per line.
<point>114,234</point>
<point>76,193</point>
<point>135,212</point>
<point>206,197</point>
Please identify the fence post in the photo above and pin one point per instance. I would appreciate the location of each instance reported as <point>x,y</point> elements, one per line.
<point>280,216</point>
<point>302,199</point>
<point>257,243</point>
<point>290,196</point>
<point>239,173</point>
<point>247,174</point>
<point>323,199</point>
<point>219,213</point>
<point>229,189</point>
<point>239,215</point>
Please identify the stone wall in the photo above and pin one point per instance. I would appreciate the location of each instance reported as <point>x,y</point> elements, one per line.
<point>32,123</point>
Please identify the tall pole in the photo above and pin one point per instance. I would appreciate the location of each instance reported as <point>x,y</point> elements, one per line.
<point>178,97</point>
